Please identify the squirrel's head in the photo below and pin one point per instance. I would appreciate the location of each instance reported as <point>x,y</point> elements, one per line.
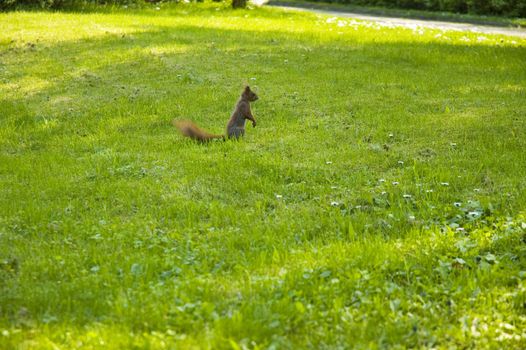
<point>249,95</point>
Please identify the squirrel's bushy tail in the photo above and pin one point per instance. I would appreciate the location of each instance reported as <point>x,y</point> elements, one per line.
<point>189,129</point>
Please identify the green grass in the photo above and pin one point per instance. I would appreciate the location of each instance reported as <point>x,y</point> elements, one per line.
<point>379,203</point>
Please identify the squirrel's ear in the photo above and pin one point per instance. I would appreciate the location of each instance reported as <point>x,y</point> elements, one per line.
<point>247,88</point>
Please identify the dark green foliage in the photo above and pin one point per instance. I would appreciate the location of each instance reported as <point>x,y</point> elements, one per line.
<point>57,4</point>
<point>237,4</point>
<point>515,8</point>
<point>484,7</point>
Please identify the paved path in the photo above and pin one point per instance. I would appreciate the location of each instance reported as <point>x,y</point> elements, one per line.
<point>412,23</point>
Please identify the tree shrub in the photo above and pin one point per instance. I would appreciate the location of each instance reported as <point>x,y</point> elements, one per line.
<point>516,8</point>
<point>57,4</point>
<point>237,4</point>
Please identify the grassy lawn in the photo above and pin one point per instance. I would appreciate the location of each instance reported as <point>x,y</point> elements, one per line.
<point>380,201</point>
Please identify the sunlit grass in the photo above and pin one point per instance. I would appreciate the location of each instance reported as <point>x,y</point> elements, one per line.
<point>379,201</point>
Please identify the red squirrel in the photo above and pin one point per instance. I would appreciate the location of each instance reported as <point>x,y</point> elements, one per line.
<point>236,124</point>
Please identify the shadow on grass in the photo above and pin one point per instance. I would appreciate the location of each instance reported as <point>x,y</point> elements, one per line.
<point>167,51</point>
